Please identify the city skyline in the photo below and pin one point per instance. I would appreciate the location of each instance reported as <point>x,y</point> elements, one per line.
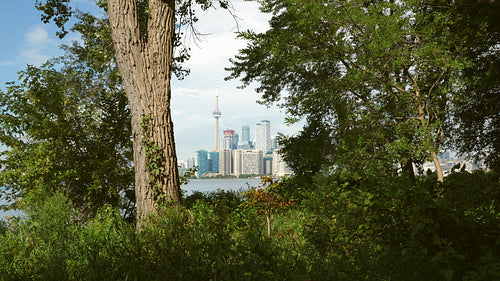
<point>235,158</point>
<point>230,137</point>
<point>32,42</point>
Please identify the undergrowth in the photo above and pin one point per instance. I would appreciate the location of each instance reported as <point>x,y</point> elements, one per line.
<point>340,230</point>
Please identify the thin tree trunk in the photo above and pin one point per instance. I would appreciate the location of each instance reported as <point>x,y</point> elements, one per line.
<point>423,121</point>
<point>268,219</point>
<point>145,65</point>
<point>439,170</point>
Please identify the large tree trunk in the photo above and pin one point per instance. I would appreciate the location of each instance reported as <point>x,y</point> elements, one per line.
<point>145,65</point>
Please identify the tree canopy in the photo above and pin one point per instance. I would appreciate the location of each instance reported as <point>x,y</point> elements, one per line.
<point>383,76</point>
<point>66,125</point>
<point>477,131</point>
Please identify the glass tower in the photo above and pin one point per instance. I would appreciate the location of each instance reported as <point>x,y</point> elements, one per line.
<point>245,133</point>
<point>213,161</point>
<point>202,159</point>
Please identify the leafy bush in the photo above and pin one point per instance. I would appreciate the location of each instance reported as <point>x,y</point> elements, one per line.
<point>406,231</point>
<point>342,229</point>
<point>36,248</point>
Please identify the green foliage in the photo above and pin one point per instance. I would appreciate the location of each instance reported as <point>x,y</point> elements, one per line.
<point>377,79</point>
<point>154,160</point>
<point>403,231</point>
<point>206,241</point>
<point>66,125</point>
<point>478,23</point>
<point>97,52</point>
<point>308,152</point>
<point>265,201</point>
<point>61,11</point>
<point>343,229</point>
<point>57,10</point>
<point>229,199</point>
<point>45,236</point>
<point>188,174</point>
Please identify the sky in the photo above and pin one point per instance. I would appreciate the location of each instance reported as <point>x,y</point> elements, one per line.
<point>26,40</point>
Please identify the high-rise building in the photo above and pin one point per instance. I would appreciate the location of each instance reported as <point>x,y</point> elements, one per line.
<point>445,155</point>
<point>190,162</point>
<point>213,161</point>
<point>267,169</point>
<point>237,155</point>
<point>245,133</point>
<point>245,138</point>
<point>257,142</point>
<point>247,162</point>
<point>202,162</point>
<point>217,115</point>
<point>274,143</point>
<point>263,136</point>
<point>280,168</point>
<point>225,162</point>
<point>235,142</point>
<point>230,139</point>
<point>182,164</point>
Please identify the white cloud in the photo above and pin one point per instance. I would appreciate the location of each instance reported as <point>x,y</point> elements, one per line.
<point>36,36</point>
<point>193,99</point>
<point>32,56</point>
<point>36,48</point>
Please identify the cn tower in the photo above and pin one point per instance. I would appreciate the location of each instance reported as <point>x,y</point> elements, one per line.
<point>216,115</point>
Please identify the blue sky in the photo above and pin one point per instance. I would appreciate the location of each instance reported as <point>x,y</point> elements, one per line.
<point>26,40</point>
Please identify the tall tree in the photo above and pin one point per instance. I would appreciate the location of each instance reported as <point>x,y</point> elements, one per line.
<point>145,62</point>
<point>144,36</point>
<point>67,126</point>
<point>477,132</point>
<point>381,74</point>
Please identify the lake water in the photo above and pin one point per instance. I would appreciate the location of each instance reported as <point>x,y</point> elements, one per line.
<point>202,185</point>
<point>208,185</point>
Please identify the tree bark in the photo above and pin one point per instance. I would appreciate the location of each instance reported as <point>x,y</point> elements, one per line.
<point>145,65</point>
<point>439,170</point>
<point>423,121</point>
<point>268,220</point>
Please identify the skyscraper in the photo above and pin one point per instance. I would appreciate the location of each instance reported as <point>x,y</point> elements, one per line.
<point>245,138</point>
<point>225,162</point>
<point>230,139</point>
<point>245,133</point>
<point>280,168</point>
<point>247,162</point>
<point>213,161</point>
<point>202,160</point>
<point>216,115</point>
<point>190,162</point>
<point>236,139</point>
<point>274,143</point>
<point>263,136</point>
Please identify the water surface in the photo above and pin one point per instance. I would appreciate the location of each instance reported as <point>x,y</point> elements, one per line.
<point>208,185</point>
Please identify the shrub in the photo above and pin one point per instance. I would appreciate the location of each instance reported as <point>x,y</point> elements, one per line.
<point>342,229</point>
